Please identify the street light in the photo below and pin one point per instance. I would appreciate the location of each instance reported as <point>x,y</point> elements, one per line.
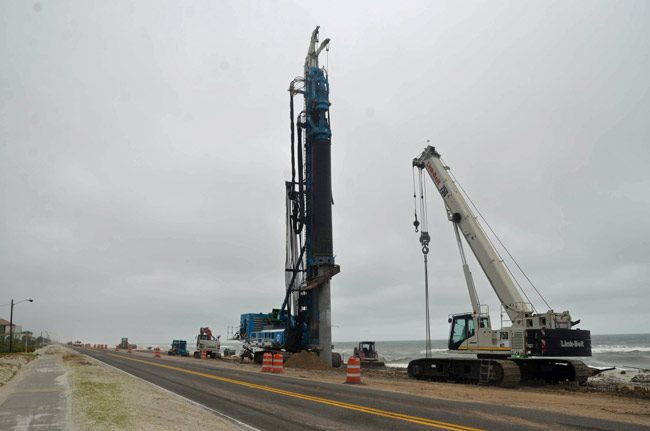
<point>11,321</point>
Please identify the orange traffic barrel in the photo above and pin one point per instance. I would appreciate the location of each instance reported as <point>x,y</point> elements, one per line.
<point>354,370</point>
<point>278,363</point>
<point>267,362</point>
<point>204,354</point>
<point>156,352</point>
<point>130,349</point>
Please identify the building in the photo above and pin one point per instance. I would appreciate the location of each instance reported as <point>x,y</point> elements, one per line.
<point>4,329</point>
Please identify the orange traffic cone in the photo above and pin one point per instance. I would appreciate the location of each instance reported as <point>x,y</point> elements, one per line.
<point>267,362</point>
<point>278,363</point>
<point>353,370</point>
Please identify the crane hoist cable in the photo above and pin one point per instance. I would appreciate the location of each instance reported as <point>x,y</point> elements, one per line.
<point>416,223</point>
<point>424,242</point>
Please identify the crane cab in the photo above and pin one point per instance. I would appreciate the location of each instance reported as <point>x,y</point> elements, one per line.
<point>463,333</point>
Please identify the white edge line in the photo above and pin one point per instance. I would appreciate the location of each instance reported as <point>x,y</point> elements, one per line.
<point>216,412</point>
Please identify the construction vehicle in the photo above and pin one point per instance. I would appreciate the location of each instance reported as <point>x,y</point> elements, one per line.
<point>179,348</point>
<point>303,322</point>
<point>124,344</point>
<point>206,342</point>
<point>229,351</point>
<point>535,345</point>
<point>368,355</point>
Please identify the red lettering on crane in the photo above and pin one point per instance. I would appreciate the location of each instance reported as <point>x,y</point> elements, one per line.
<point>434,174</point>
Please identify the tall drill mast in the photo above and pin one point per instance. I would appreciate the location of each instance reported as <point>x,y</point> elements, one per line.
<point>310,258</point>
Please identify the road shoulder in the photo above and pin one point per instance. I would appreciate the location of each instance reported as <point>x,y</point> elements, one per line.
<point>105,398</point>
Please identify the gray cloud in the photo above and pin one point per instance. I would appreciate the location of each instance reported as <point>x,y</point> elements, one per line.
<point>144,149</point>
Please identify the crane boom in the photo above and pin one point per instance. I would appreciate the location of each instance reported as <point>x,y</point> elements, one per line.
<point>464,219</point>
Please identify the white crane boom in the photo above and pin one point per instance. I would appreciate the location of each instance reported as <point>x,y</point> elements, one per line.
<point>462,216</point>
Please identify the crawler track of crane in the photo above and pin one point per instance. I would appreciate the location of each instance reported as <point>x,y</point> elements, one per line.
<point>505,373</point>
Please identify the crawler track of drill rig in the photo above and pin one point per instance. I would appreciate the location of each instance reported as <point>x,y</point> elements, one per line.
<point>505,373</point>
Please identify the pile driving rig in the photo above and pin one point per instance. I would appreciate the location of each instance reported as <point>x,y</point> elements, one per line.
<point>532,348</point>
<point>303,322</point>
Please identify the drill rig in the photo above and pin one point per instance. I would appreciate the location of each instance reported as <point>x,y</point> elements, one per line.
<point>533,347</point>
<point>303,322</point>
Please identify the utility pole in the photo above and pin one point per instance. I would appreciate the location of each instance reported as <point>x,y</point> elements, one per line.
<point>11,322</point>
<point>11,326</point>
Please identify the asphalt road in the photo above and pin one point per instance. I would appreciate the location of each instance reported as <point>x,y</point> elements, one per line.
<point>271,402</point>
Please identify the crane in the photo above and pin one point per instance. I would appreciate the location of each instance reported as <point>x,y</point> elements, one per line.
<point>535,344</point>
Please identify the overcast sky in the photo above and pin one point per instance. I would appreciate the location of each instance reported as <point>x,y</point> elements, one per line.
<point>144,148</point>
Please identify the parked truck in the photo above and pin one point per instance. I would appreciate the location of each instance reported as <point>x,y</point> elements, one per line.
<point>206,342</point>
<point>179,348</point>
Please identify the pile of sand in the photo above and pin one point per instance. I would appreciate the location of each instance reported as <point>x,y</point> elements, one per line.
<point>306,360</point>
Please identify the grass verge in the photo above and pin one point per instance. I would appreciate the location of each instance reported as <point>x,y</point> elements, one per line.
<point>98,401</point>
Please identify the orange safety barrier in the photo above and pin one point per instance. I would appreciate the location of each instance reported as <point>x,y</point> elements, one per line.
<point>156,352</point>
<point>204,354</point>
<point>278,363</point>
<point>267,362</point>
<point>353,370</point>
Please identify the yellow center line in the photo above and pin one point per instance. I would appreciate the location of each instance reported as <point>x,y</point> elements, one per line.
<point>369,410</point>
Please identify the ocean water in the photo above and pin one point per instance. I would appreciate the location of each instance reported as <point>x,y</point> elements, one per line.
<point>622,351</point>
